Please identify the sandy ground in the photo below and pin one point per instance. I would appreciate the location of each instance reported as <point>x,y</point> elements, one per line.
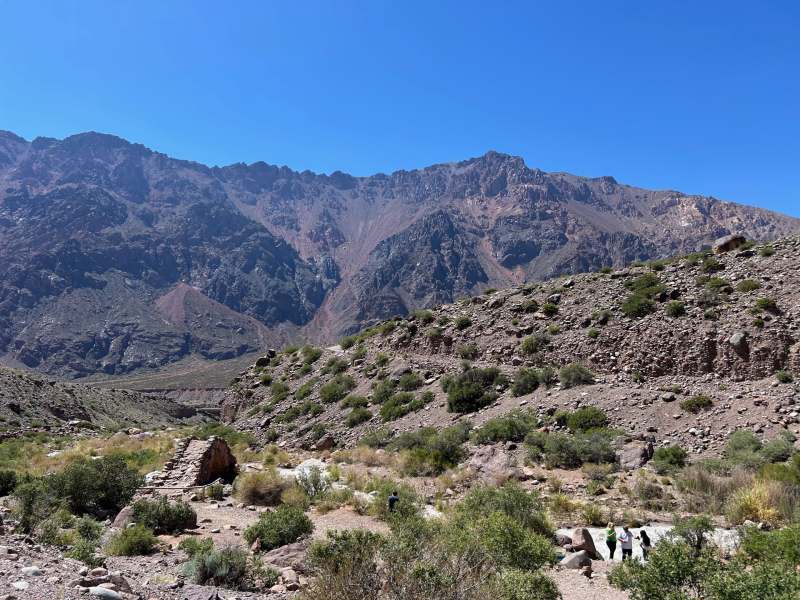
<point>574,586</point>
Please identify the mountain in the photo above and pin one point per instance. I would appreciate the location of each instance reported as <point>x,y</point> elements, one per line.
<point>115,259</point>
<point>684,351</point>
<point>30,400</point>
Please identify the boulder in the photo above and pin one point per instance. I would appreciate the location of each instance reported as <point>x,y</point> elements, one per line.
<point>328,442</point>
<point>562,540</point>
<point>634,455</point>
<point>200,592</point>
<point>728,243</point>
<point>739,342</point>
<point>494,463</point>
<point>290,556</point>
<point>104,592</point>
<point>582,541</point>
<point>123,518</point>
<point>576,561</point>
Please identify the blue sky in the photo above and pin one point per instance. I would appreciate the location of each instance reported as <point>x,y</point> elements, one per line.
<point>703,97</point>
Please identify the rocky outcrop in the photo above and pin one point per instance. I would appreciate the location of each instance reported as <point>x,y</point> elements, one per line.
<point>116,259</point>
<point>197,462</point>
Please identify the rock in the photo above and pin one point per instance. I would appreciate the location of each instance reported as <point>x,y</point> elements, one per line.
<point>104,592</point>
<point>326,443</point>
<point>739,341</point>
<point>123,518</point>
<point>634,455</point>
<point>200,592</point>
<point>576,561</point>
<point>668,397</point>
<point>31,571</point>
<point>493,463</point>
<point>562,540</point>
<point>291,555</point>
<point>582,541</point>
<point>728,243</point>
<point>21,585</point>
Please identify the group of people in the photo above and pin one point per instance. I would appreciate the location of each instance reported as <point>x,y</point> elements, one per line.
<point>625,540</point>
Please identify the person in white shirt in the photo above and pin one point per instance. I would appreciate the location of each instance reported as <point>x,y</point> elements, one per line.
<point>626,542</point>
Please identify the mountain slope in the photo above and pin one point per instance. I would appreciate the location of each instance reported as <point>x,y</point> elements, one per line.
<point>98,237</point>
<point>715,327</point>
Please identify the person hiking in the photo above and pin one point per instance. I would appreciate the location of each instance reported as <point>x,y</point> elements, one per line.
<point>626,541</point>
<point>611,541</point>
<point>393,499</point>
<point>647,545</point>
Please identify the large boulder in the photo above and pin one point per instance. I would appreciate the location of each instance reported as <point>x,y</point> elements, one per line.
<point>493,463</point>
<point>582,541</point>
<point>577,560</point>
<point>634,455</point>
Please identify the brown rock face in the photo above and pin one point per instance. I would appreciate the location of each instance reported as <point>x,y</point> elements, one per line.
<point>116,259</point>
<point>198,462</point>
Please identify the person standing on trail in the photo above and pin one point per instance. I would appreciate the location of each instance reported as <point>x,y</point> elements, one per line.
<point>611,541</point>
<point>647,545</point>
<point>393,499</point>
<point>626,541</point>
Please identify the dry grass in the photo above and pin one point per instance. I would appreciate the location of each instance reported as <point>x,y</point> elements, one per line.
<point>263,488</point>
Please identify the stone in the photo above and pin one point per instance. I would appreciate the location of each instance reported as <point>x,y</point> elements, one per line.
<point>328,442</point>
<point>21,585</point>
<point>739,341</point>
<point>562,540</point>
<point>32,571</point>
<point>104,592</point>
<point>200,592</point>
<point>582,541</point>
<point>634,455</point>
<point>123,518</point>
<point>577,560</point>
<point>728,243</point>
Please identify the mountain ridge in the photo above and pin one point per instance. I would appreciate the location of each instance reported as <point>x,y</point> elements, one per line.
<point>96,230</point>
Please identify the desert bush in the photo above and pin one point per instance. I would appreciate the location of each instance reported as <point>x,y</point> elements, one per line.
<point>96,487</point>
<point>335,366</point>
<point>348,342</point>
<point>747,285</point>
<point>260,488</point>
<point>136,540</point>
<point>593,515</point>
<point>696,403</point>
<point>410,381</point>
<point>399,405</point>
<point>676,308</point>
<point>469,351</point>
<point>637,306</point>
<point>766,251</point>
<point>513,426</point>
<point>284,525</point>
<point>473,389</point>
<point>163,516</point>
<point>311,354</point>
<point>511,499</point>
<point>585,418</point>
<point>784,377</point>
<point>575,374</point>
<point>766,305</point>
<point>534,343</point>
<point>345,566</point>
<point>353,401</point>
<point>570,451</point>
<point>549,309</point>
<point>430,450</point>
<point>593,333</point>
<point>462,322</point>
<point>357,416</point>
<point>8,481</point>
<point>525,382</point>
<point>279,391</point>
<point>379,438</point>
<point>85,551</point>
<point>669,458</point>
<point>758,503</point>
<point>424,316</point>
<point>336,389</point>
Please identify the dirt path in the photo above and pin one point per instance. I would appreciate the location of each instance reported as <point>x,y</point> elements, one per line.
<point>574,586</point>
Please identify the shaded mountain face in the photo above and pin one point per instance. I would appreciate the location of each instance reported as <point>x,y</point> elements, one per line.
<point>115,258</point>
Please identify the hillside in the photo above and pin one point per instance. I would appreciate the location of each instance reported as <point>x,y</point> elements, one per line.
<point>30,400</point>
<point>117,260</point>
<point>654,336</point>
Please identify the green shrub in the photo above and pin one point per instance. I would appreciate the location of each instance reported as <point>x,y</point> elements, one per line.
<point>586,418</point>
<point>748,285</point>
<point>637,306</point>
<point>163,516</point>
<point>8,481</point>
<point>399,405</point>
<point>472,390</point>
<point>525,382</point>
<point>336,389</point>
<point>593,333</point>
<point>430,450</point>
<point>85,551</point>
<point>353,401</point>
<point>766,251</point>
<point>311,354</point>
<point>357,416</point>
<point>424,316</point>
<point>571,451</point>
<point>379,438</point>
<point>96,487</point>
<point>462,322</point>
<point>668,459</point>
<point>784,377</point>
<point>766,305</point>
<point>305,390</point>
<point>347,342</point>
<point>279,391</point>
<point>511,427</point>
<point>575,374</point>
<point>284,525</point>
<point>510,499</point>
<point>434,334</point>
<point>696,403</point>
<point>676,308</point>
<point>712,265</point>
<point>549,309</point>
<point>468,351</point>
<point>136,540</point>
<point>410,381</point>
<point>534,343</point>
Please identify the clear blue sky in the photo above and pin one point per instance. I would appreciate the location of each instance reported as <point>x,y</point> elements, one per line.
<point>705,99</point>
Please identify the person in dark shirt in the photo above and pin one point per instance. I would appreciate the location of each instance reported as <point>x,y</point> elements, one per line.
<point>393,499</point>
<point>647,545</point>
